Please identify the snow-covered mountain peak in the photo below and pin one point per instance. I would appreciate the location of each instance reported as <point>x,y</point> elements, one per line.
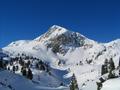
<point>56,37</point>
<point>56,30</point>
<point>52,32</point>
<point>56,27</point>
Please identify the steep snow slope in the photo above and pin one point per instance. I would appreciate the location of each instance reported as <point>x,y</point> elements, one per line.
<point>70,51</point>
<point>33,48</point>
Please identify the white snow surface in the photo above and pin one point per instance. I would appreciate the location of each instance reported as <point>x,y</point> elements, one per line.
<point>112,84</point>
<point>11,81</point>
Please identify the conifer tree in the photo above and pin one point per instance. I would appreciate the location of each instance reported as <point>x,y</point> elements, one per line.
<point>23,71</point>
<point>111,74</point>
<point>111,65</point>
<point>104,68</point>
<point>119,62</point>
<point>119,72</point>
<point>111,68</point>
<point>1,63</point>
<point>13,69</point>
<point>29,74</point>
<point>73,84</point>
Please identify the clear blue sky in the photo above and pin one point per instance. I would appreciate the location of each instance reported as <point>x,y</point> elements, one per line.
<point>27,19</point>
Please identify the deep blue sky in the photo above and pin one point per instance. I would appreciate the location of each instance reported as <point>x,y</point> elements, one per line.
<point>27,19</point>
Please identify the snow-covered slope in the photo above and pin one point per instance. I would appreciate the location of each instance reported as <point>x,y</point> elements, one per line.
<point>11,81</point>
<point>70,51</point>
<point>113,84</point>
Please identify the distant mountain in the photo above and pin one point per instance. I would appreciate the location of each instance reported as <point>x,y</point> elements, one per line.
<point>70,51</point>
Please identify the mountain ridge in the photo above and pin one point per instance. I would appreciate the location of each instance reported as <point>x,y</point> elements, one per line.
<point>57,27</point>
